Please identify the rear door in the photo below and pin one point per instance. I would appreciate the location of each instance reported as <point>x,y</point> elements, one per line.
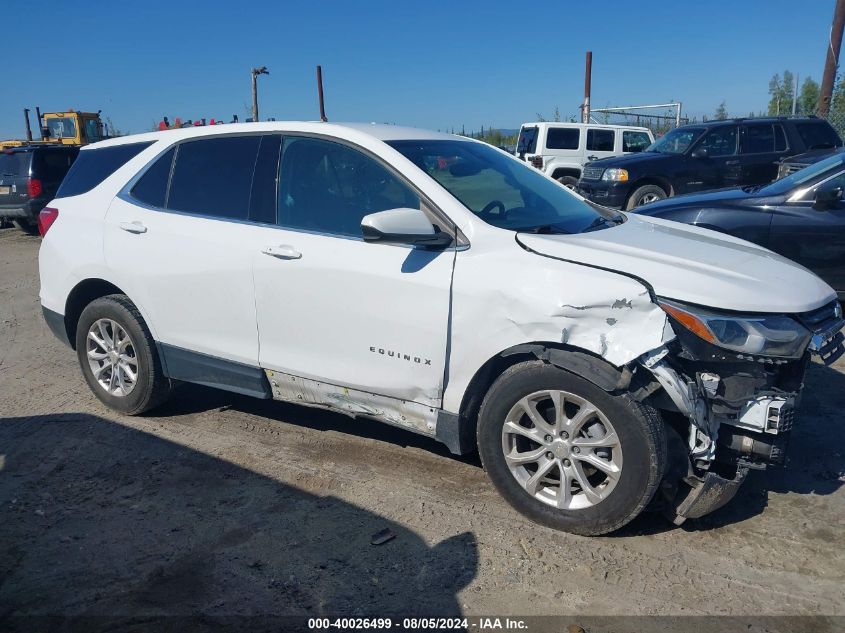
<point>762,145</point>
<point>183,234</point>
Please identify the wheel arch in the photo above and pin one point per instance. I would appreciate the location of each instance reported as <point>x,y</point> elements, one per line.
<point>558,172</point>
<point>83,293</point>
<point>582,363</point>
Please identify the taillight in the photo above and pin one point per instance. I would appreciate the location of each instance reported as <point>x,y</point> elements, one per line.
<point>33,187</point>
<point>46,218</point>
<point>537,161</point>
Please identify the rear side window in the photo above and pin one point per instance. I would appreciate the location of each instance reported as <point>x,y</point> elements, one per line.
<point>563,138</point>
<point>151,188</point>
<point>214,176</point>
<point>527,142</point>
<point>818,135</point>
<point>15,163</point>
<point>93,166</point>
<point>600,140</point>
<point>760,138</point>
<point>634,141</point>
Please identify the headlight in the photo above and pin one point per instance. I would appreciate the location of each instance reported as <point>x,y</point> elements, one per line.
<point>764,335</point>
<point>616,175</point>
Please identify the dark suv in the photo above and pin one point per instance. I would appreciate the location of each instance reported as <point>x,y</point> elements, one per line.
<point>30,175</point>
<point>704,156</point>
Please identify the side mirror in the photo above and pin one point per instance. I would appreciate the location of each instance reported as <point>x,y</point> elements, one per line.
<point>827,198</point>
<point>403,226</point>
<point>700,152</point>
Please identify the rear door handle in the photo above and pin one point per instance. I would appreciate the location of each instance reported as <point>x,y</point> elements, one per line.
<point>283,251</point>
<point>133,227</point>
<point>732,162</point>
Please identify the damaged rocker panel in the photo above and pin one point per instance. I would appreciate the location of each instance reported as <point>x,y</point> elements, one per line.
<point>402,413</point>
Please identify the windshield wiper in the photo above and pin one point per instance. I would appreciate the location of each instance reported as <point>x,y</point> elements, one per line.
<point>544,229</point>
<point>601,221</point>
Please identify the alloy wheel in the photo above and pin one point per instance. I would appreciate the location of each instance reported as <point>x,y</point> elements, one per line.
<point>111,357</point>
<point>562,449</point>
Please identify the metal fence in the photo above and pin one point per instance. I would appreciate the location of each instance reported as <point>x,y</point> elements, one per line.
<point>837,120</point>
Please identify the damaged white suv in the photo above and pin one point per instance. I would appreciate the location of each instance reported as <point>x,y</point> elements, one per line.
<point>599,362</point>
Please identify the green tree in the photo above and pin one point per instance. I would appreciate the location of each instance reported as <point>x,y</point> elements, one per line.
<point>809,96</point>
<point>837,104</point>
<point>721,112</point>
<point>780,93</point>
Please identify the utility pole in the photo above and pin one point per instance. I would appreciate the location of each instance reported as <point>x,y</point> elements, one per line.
<point>795,95</point>
<point>588,77</point>
<point>831,63</point>
<point>255,72</point>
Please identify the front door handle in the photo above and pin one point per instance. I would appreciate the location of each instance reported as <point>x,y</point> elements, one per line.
<point>133,227</point>
<point>283,251</point>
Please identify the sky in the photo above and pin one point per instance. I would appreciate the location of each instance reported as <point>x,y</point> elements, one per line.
<point>434,64</point>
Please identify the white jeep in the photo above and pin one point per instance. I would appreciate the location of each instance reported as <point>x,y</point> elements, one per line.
<point>560,150</point>
<point>598,361</point>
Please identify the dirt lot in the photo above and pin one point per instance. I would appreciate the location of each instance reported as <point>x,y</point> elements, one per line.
<point>219,505</point>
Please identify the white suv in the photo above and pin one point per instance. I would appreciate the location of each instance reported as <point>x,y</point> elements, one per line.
<point>560,150</point>
<point>437,284</point>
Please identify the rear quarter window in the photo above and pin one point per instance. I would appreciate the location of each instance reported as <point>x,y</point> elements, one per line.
<point>818,135</point>
<point>93,166</point>
<point>52,165</point>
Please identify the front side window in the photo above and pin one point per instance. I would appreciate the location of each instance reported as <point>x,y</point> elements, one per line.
<point>634,141</point>
<point>213,176</point>
<point>720,141</point>
<point>600,140</point>
<point>328,187</point>
<point>563,138</point>
<point>93,166</point>
<point>502,191</point>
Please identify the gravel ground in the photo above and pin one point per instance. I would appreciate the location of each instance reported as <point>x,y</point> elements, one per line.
<point>223,505</point>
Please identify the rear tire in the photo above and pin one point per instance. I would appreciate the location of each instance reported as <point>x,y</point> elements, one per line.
<point>574,492</point>
<point>645,195</point>
<point>118,356</point>
<point>30,228</point>
<point>570,182</point>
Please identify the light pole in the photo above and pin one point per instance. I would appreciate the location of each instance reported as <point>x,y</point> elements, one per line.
<point>255,72</point>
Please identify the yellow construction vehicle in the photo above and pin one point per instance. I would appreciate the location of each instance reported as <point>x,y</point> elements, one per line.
<point>64,128</point>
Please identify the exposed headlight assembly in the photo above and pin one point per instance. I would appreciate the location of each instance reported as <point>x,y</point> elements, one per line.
<point>758,334</point>
<point>615,175</point>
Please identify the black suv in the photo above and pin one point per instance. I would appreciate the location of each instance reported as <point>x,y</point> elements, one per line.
<point>704,156</point>
<point>30,175</point>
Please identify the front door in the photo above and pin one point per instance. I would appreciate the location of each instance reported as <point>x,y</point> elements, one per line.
<point>813,237</point>
<point>719,167</point>
<point>335,309</point>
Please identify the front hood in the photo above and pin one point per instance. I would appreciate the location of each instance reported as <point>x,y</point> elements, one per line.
<point>630,159</point>
<point>692,264</point>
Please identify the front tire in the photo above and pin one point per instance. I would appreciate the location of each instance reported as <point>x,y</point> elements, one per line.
<point>567,454</point>
<point>645,195</point>
<point>570,182</point>
<point>118,356</point>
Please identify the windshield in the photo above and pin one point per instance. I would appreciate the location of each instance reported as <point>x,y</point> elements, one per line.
<point>676,141</point>
<point>62,127</point>
<point>527,141</point>
<point>15,163</point>
<point>502,191</point>
<point>804,176</point>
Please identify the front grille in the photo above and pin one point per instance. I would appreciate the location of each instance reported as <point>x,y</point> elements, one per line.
<point>592,173</point>
<point>821,318</point>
